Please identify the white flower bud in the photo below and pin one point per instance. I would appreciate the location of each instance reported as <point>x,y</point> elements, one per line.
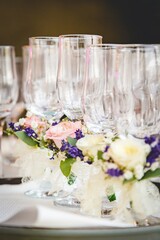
<point>29,114</point>
<point>154,166</point>
<point>16,124</point>
<point>34,124</point>
<point>21,121</point>
<point>139,171</point>
<point>105,156</point>
<point>128,175</point>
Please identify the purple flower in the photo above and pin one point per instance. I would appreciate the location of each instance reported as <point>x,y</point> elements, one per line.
<point>72,151</point>
<point>106,149</point>
<point>79,134</point>
<point>149,140</point>
<point>15,128</point>
<point>154,154</point>
<point>51,147</point>
<point>54,123</point>
<point>52,158</point>
<point>114,172</point>
<point>75,152</point>
<point>65,146</point>
<point>30,132</point>
<point>89,162</point>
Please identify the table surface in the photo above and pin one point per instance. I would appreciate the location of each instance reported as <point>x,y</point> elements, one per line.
<point>17,233</point>
<point>141,233</point>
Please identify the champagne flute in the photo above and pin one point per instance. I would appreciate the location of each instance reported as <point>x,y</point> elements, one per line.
<point>40,91</point>
<point>8,88</point>
<point>98,94</point>
<point>70,80</point>
<point>71,71</point>
<point>138,90</point>
<point>40,88</point>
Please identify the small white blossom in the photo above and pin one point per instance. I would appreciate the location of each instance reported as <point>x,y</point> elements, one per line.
<point>112,165</point>
<point>128,175</point>
<point>147,164</point>
<point>50,121</point>
<point>84,129</point>
<point>34,124</point>
<point>154,166</point>
<point>61,156</point>
<point>16,124</point>
<point>29,114</point>
<point>154,144</point>
<point>85,158</point>
<point>108,137</point>
<point>21,121</point>
<point>50,153</point>
<point>138,171</point>
<point>105,156</point>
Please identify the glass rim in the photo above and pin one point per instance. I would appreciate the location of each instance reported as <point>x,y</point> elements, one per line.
<point>122,46</point>
<point>7,46</point>
<point>41,38</point>
<point>80,36</point>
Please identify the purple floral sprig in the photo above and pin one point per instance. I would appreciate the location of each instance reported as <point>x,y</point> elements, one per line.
<point>79,134</point>
<point>155,149</point>
<point>30,132</point>
<point>71,151</point>
<point>114,172</point>
<point>14,127</point>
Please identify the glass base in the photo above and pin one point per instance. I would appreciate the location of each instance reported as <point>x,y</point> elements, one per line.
<point>63,199</point>
<point>149,221</point>
<point>107,207</point>
<point>39,194</point>
<point>100,127</point>
<point>73,114</point>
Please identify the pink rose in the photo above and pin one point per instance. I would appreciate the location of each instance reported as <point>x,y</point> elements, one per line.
<point>62,130</point>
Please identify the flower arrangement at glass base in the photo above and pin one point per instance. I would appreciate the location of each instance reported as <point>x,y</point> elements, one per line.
<point>109,176</point>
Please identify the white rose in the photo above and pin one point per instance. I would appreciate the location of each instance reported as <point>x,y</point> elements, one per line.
<point>91,144</point>
<point>129,152</point>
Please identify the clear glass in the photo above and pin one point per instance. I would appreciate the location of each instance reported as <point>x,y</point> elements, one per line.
<point>8,88</point>
<point>138,90</point>
<point>40,91</point>
<point>71,71</point>
<point>98,98</point>
<point>43,40</point>
<point>40,64</point>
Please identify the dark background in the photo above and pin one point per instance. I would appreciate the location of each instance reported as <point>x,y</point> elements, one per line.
<point>119,21</point>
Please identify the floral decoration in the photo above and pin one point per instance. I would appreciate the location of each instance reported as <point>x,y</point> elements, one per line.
<point>113,162</point>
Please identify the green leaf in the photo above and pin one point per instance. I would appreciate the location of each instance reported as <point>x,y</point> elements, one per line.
<point>71,178</point>
<point>28,140</point>
<point>130,180</point>
<point>151,174</point>
<point>71,141</point>
<point>65,166</point>
<point>115,138</point>
<point>100,155</point>
<point>112,197</point>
